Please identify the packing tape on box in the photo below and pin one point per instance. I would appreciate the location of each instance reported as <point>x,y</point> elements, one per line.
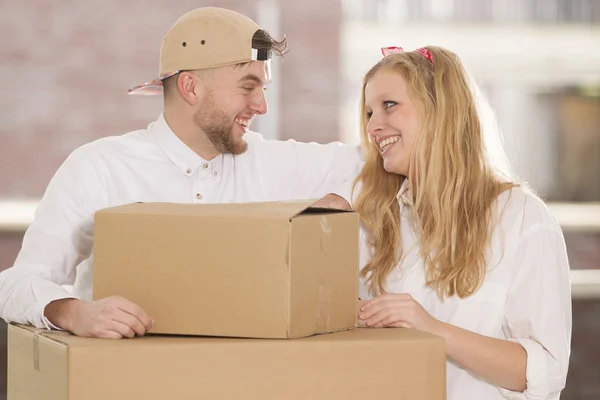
<point>325,240</point>
<point>36,352</point>
<point>36,343</point>
<point>323,307</point>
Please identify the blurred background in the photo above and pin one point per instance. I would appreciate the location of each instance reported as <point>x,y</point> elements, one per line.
<point>67,65</point>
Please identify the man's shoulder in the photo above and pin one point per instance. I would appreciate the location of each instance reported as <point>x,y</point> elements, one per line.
<point>119,144</point>
<point>102,150</point>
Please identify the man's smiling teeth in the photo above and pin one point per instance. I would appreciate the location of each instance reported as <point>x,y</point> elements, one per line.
<point>386,142</point>
<point>243,122</point>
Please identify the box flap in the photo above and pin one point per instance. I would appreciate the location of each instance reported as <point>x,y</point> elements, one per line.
<point>270,210</point>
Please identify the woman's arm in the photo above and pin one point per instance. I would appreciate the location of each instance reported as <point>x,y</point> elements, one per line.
<point>500,362</point>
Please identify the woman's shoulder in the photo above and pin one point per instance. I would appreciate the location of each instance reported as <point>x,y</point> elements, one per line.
<point>522,210</point>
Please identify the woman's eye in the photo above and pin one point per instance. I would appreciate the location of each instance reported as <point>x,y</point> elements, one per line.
<point>388,104</point>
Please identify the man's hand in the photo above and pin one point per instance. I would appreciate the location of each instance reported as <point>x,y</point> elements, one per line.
<point>333,201</point>
<point>110,318</point>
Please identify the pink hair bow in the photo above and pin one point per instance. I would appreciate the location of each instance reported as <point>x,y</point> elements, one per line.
<point>386,51</point>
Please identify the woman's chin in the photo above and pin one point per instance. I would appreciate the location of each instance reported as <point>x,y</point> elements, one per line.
<point>392,167</point>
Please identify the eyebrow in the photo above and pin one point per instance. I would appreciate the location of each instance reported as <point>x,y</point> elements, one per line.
<point>387,94</point>
<point>253,78</point>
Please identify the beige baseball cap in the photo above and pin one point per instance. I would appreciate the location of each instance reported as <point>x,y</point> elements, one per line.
<point>203,38</point>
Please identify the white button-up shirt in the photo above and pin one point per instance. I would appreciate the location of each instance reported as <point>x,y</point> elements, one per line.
<point>525,298</point>
<point>152,165</point>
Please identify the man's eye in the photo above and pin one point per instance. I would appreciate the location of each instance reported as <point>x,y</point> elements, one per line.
<point>248,88</point>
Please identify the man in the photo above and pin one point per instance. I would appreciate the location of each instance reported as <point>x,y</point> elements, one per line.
<point>214,66</point>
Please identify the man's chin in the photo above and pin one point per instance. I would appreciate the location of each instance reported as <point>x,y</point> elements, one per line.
<point>240,147</point>
<point>240,151</point>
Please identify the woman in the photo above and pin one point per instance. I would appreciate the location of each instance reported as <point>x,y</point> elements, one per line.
<point>455,247</point>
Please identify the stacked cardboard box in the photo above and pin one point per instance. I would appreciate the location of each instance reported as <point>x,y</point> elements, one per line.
<point>262,270</point>
<point>251,301</point>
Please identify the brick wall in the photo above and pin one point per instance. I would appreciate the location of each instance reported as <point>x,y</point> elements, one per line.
<point>67,66</point>
<point>310,79</point>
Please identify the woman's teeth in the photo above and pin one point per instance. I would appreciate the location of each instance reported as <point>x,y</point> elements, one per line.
<point>387,142</point>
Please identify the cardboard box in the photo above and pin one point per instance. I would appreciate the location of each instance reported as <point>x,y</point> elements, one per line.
<point>357,364</point>
<point>264,270</point>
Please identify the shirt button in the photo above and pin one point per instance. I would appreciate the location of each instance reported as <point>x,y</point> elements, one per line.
<point>189,171</point>
<point>205,166</point>
<point>199,196</point>
<point>214,173</point>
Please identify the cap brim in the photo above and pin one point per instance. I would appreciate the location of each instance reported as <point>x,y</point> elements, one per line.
<point>151,88</point>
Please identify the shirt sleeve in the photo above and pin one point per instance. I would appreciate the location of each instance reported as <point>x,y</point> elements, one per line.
<point>58,239</point>
<point>311,170</point>
<point>538,313</point>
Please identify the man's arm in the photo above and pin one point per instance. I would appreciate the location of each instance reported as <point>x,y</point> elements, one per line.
<point>313,171</point>
<point>59,238</point>
<point>333,201</point>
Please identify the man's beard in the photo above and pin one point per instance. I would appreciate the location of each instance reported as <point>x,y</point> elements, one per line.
<point>218,128</point>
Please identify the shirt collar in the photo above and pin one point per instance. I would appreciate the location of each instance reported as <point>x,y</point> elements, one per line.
<point>404,195</point>
<point>186,159</point>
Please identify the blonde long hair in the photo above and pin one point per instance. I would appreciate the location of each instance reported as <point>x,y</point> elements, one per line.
<point>456,173</point>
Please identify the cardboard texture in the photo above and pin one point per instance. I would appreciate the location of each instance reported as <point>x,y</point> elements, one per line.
<point>358,364</point>
<point>263,270</point>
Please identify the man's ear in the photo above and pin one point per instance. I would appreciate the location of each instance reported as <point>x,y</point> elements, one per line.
<point>190,87</point>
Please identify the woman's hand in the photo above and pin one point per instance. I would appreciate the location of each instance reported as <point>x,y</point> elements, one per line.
<point>397,310</point>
